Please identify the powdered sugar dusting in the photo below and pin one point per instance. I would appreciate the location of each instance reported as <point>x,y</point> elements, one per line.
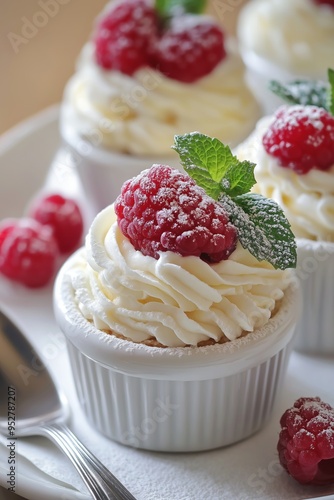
<point>190,48</point>
<point>306,442</point>
<point>124,34</point>
<point>302,138</point>
<point>163,209</point>
<point>311,115</point>
<point>304,92</point>
<point>262,229</point>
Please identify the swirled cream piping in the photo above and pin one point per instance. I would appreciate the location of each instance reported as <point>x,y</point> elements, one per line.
<point>176,300</point>
<point>307,200</point>
<point>140,115</point>
<point>298,35</point>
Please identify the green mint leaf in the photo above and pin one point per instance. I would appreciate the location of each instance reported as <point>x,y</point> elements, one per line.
<point>302,92</point>
<point>198,151</point>
<point>239,178</point>
<point>203,179</point>
<point>166,8</point>
<point>330,96</point>
<point>262,228</point>
<point>212,165</point>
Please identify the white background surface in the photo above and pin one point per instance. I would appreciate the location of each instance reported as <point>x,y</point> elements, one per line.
<point>248,470</point>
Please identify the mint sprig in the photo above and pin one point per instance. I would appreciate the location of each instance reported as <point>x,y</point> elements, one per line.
<point>314,93</point>
<point>210,163</point>
<point>262,226</point>
<point>330,95</point>
<point>239,178</point>
<point>165,8</point>
<point>307,92</point>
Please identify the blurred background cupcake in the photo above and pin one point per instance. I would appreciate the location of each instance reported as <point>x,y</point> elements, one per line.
<point>138,83</point>
<point>294,155</point>
<point>285,40</point>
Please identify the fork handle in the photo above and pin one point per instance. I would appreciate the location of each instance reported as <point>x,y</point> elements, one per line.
<point>101,483</point>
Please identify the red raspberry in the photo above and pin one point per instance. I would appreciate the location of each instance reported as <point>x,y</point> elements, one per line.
<point>325,2</point>
<point>306,441</point>
<point>302,138</point>
<point>124,36</point>
<point>163,209</point>
<point>63,215</point>
<point>190,49</point>
<point>28,251</point>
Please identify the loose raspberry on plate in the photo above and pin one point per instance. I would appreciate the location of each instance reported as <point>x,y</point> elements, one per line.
<point>28,251</point>
<point>306,441</point>
<point>301,138</point>
<point>190,49</point>
<point>124,36</point>
<point>164,209</point>
<point>63,215</point>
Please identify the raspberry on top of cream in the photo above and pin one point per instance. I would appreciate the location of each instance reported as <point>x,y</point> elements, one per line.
<point>297,35</point>
<point>180,264</point>
<point>137,83</point>
<point>294,155</point>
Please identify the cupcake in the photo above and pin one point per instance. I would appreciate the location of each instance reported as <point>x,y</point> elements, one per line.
<point>294,155</point>
<point>179,302</point>
<point>285,40</point>
<point>145,75</point>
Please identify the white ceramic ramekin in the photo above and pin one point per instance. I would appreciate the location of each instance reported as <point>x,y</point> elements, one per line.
<point>102,172</point>
<point>315,272</point>
<point>259,73</point>
<point>175,399</point>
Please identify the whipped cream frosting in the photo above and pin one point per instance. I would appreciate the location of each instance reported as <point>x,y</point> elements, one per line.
<point>140,114</point>
<point>176,300</point>
<point>307,200</point>
<point>298,35</point>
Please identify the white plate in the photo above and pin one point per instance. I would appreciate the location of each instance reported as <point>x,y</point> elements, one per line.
<point>248,470</point>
